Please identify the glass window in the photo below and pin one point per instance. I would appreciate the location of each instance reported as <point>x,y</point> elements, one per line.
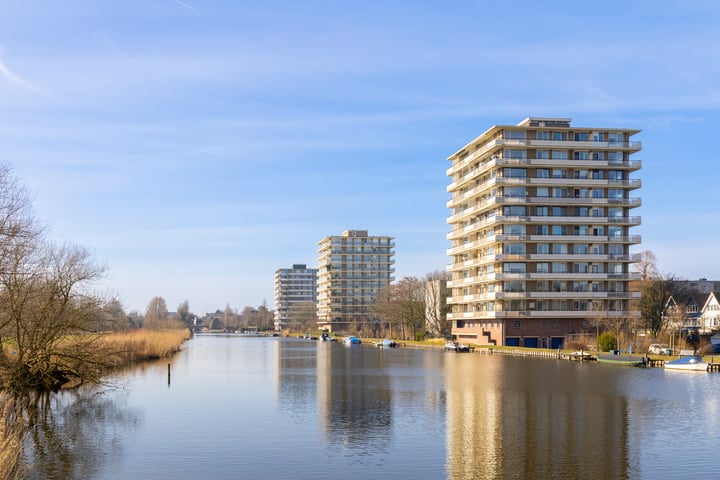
<point>542,173</point>
<point>513,267</point>
<point>580,267</point>
<point>598,137</point>
<point>597,174</point>
<point>515,286</point>
<point>559,267</point>
<point>615,137</point>
<point>598,156</point>
<point>542,135</point>
<point>559,192</point>
<point>513,153</point>
<point>580,155</point>
<point>580,230</point>
<point>581,137</point>
<point>514,210</point>
<point>543,248</point>
<point>582,193</point>
<point>580,248</point>
<point>597,193</point>
<point>559,173</point>
<point>559,211</point>
<point>559,136</point>
<point>615,231</point>
<point>615,212</point>
<point>615,249</point>
<point>581,211</point>
<point>514,192</point>
<point>581,174</point>
<point>615,193</point>
<point>615,157</point>
<point>542,230</point>
<point>542,192</point>
<point>559,154</point>
<point>514,229</point>
<point>559,230</point>
<point>514,249</point>
<point>542,211</point>
<point>559,248</point>
<point>514,172</point>
<point>542,267</point>
<point>615,175</point>
<point>543,154</point>
<point>515,134</point>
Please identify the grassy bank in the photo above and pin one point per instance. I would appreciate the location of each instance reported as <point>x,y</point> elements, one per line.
<point>126,348</point>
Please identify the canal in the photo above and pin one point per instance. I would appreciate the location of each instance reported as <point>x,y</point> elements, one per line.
<point>274,408</point>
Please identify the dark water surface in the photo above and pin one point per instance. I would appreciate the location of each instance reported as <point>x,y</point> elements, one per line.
<point>272,408</point>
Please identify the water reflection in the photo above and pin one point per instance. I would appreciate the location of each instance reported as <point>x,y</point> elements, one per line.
<point>507,420</point>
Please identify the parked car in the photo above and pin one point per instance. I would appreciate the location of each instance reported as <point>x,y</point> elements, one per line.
<point>659,349</point>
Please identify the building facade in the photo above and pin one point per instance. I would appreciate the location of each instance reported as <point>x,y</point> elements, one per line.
<point>540,232</point>
<point>294,287</point>
<point>352,269</point>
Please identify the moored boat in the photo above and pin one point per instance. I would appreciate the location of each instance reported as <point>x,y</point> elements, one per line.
<point>351,340</point>
<point>623,360</point>
<point>691,363</point>
<point>456,347</point>
<point>387,343</point>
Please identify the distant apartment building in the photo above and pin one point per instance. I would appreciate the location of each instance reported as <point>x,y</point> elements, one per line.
<point>293,287</point>
<point>352,269</point>
<point>540,231</point>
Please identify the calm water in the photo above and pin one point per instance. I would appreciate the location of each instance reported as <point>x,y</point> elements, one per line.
<point>248,408</point>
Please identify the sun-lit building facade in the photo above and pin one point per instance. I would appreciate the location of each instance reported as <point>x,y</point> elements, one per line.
<point>352,269</point>
<point>541,231</point>
<point>293,287</point>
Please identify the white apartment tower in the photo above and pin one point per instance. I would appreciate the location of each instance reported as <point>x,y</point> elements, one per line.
<point>352,269</point>
<point>540,232</point>
<point>293,287</point>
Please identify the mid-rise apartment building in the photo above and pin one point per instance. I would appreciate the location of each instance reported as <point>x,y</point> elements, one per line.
<point>293,287</point>
<point>352,269</point>
<point>540,229</point>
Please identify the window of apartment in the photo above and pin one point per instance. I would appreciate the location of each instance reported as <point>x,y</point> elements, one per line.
<point>559,211</point>
<point>581,230</point>
<point>598,155</point>
<point>542,173</point>
<point>543,248</point>
<point>542,135</point>
<point>580,267</point>
<point>514,134</point>
<point>559,230</point>
<point>559,192</point>
<point>598,137</point>
<point>514,229</point>
<point>615,231</point>
<point>513,153</point>
<point>581,211</point>
<point>514,172</point>
<point>598,231</point>
<point>514,286</point>
<point>542,230</point>
<point>542,192</point>
<point>542,267</point>
<point>615,212</point>
<point>559,154</point>
<point>616,249</point>
<point>559,136</point>
<point>516,324</point>
<point>513,267</point>
<point>597,193</point>
<point>597,212</point>
<point>615,175</point>
<point>615,193</point>
<point>542,154</point>
<point>597,174</point>
<point>559,173</point>
<point>580,305</point>
<point>581,193</point>
<point>597,249</point>
<point>615,137</point>
<point>581,174</point>
<point>581,155</point>
<point>580,136</point>
<point>490,269</point>
<point>580,248</point>
<point>596,268</point>
<point>579,287</point>
<point>615,157</point>
<point>615,268</point>
<point>542,286</point>
<point>559,286</point>
<point>559,249</point>
<point>514,249</point>
<point>559,267</point>
<point>542,211</point>
<point>514,210</point>
<point>514,192</point>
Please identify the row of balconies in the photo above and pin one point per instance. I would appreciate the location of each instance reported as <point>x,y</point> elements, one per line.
<point>566,276</point>
<point>563,180</point>
<point>539,314</point>
<point>489,165</point>
<point>542,257</point>
<point>498,238</point>
<point>569,295</point>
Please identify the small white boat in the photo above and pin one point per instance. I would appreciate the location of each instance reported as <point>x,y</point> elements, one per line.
<point>351,340</point>
<point>692,362</point>
<point>456,347</point>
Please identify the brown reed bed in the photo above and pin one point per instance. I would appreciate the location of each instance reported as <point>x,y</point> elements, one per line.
<point>124,348</point>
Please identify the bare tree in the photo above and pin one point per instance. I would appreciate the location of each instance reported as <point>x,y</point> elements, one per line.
<point>647,266</point>
<point>302,316</point>
<point>156,314</point>
<point>183,314</point>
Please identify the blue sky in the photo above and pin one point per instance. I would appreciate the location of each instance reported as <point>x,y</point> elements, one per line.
<point>196,146</point>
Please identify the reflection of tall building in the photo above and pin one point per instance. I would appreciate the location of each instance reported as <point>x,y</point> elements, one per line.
<point>519,418</point>
<point>295,363</point>
<point>293,287</point>
<point>354,398</point>
<point>353,268</point>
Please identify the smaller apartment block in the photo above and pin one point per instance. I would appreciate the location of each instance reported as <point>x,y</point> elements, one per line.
<point>541,219</point>
<point>352,269</point>
<point>293,286</point>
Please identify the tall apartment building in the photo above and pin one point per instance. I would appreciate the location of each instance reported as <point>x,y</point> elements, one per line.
<point>293,287</point>
<point>352,269</point>
<point>540,230</point>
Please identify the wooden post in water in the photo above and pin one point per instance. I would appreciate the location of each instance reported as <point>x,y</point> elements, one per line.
<point>168,374</point>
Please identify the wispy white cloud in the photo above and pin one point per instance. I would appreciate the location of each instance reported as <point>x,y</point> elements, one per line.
<point>10,76</point>
<point>189,7</point>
